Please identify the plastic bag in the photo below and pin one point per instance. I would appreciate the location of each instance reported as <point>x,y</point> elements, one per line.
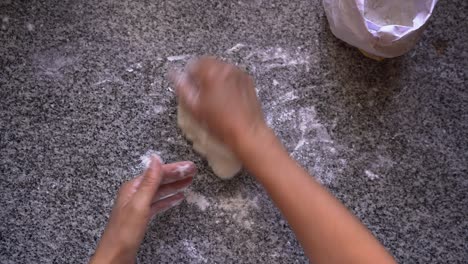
<point>380,28</point>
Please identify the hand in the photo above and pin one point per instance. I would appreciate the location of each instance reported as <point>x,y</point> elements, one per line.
<point>138,200</point>
<point>222,97</point>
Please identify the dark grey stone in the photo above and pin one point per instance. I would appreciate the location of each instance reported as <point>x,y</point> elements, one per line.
<point>84,95</point>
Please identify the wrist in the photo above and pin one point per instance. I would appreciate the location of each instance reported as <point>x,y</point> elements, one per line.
<point>256,140</point>
<point>111,252</point>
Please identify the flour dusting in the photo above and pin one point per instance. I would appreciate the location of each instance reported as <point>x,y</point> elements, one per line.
<point>146,158</point>
<point>178,57</point>
<point>277,57</point>
<point>158,109</point>
<point>197,199</point>
<point>371,175</point>
<point>192,252</point>
<point>29,27</point>
<point>313,147</point>
<point>182,169</point>
<point>238,208</point>
<point>236,47</point>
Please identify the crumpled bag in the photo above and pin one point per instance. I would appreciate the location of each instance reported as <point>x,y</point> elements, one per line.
<point>380,28</point>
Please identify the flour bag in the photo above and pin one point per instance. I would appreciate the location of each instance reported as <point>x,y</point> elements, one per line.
<point>379,28</point>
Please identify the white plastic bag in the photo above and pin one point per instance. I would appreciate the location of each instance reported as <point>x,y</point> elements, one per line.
<point>382,28</point>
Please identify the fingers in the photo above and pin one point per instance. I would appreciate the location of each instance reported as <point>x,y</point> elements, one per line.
<point>170,189</point>
<point>151,179</point>
<point>177,171</point>
<point>165,204</point>
<point>204,70</point>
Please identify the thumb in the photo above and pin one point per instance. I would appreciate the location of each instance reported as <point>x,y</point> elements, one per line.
<point>186,90</point>
<point>151,180</point>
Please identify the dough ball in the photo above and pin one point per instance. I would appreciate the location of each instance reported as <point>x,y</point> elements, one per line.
<point>220,158</point>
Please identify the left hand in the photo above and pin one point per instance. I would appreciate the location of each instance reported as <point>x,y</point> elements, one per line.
<point>138,200</point>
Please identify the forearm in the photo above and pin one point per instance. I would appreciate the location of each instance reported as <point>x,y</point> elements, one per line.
<point>325,228</point>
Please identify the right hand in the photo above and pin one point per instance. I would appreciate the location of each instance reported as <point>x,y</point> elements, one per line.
<point>222,97</point>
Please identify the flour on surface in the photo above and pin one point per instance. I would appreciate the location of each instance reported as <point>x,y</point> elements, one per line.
<point>146,158</point>
<point>371,175</point>
<point>178,57</point>
<point>277,57</point>
<point>238,208</point>
<point>29,26</point>
<point>382,163</point>
<point>236,47</point>
<point>192,252</point>
<point>289,96</point>
<point>133,67</point>
<point>313,146</point>
<point>52,62</point>
<point>229,209</point>
<point>197,199</point>
<point>158,109</point>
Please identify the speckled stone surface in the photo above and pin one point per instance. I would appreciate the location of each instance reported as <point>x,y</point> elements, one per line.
<point>83,97</point>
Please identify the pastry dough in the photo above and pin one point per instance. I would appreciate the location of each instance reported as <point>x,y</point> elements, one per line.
<point>220,158</point>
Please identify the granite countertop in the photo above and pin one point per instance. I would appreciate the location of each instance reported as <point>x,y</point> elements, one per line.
<point>84,99</point>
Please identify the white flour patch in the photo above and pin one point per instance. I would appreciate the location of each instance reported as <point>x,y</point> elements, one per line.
<point>29,27</point>
<point>158,109</point>
<point>192,252</point>
<point>289,96</point>
<point>286,115</point>
<point>277,57</point>
<point>197,199</point>
<point>5,20</point>
<point>52,62</point>
<point>236,47</point>
<point>257,91</point>
<point>382,164</point>
<point>146,158</point>
<point>282,99</point>
<point>275,82</point>
<point>371,175</point>
<point>314,148</point>
<point>238,208</point>
<point>134,66</point>
<point>309,121</point>
<point>178,57</point>
<point>299,144</point>
<point>101,82</point>
<point>383,161</point>
<point>269,120</point>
